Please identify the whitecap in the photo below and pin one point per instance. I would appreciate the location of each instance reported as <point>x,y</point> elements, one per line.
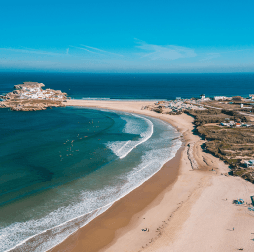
<point>45,233</point>
<point>123,148</point>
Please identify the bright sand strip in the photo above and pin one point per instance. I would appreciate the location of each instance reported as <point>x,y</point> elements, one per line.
<point>189,212</point>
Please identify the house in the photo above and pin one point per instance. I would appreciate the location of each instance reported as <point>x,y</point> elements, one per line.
<point>225,124</point>
<point>251,96</point>
<point>231,123</point>
<point>246,125</point>
<point>249,163</point>
<point>242,106</point>
<point>238,125</point>
<point>220,98</point>
<point>202,97</point>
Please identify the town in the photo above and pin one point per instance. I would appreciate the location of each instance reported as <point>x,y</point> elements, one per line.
<point>226,125</point>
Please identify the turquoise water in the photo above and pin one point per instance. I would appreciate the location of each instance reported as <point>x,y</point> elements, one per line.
<point>61,168</point>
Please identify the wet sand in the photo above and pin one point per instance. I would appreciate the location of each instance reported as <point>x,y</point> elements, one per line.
<point>184,209</point>
<point>101,231</point>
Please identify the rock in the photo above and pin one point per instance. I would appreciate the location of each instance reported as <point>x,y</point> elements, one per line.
<point>38,98</point>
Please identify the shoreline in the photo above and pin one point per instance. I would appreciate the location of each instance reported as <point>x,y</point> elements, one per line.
<point>120,213</point>
<point>175,215</point>
<point>168,174</point>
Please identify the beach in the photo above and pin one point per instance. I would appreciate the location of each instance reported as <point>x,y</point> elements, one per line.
<point>181,208</point>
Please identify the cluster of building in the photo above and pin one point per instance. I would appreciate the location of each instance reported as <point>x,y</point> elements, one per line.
<point>216,98</point>
<point>181,105</point>
<point>174,107</point>
<point>33,90</point>
<point>30,96</point>
<point>235,124</point>
<point>223,98</point>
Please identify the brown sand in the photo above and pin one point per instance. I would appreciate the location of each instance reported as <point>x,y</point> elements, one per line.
<point>191,213</point>
<point>99,232</point>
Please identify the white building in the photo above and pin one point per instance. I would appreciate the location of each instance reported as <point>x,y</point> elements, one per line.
<point>202,97</point>
<point>222,98</point>
<point>225,124</point>
<point>249,163</point>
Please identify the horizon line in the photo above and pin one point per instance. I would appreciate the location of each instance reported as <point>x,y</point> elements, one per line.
<point>83,72</point>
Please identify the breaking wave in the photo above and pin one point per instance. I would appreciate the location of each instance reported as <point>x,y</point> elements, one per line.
<point>123,148</point>
<point>44,233</point>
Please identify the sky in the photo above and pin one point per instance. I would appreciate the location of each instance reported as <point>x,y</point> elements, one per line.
<point>127,36</point>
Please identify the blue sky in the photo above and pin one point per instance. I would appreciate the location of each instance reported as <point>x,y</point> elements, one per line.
<point>132,36</point>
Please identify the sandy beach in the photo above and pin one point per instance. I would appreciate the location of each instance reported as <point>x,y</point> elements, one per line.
<point>186,206</point>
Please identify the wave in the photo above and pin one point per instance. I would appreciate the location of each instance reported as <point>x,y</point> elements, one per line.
<point>93,203</point>
<point>49,238</point>
<point>150,165</point>
<point>123,148</point>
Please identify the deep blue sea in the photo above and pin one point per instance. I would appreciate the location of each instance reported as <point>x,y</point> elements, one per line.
<point>136,86</point>
<point>62,167</point>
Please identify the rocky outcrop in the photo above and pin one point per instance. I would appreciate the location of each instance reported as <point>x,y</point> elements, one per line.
<point>30,96</point>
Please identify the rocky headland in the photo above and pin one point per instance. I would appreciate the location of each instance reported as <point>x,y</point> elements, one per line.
<point>30,96</point>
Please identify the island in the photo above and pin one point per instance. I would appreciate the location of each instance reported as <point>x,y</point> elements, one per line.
<point>30,96</point>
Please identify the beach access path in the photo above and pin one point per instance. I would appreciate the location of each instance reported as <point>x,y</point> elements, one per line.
<point>193,212</point>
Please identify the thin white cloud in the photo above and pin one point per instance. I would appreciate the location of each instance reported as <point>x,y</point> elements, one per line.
<point>94,48</point>
<point>67,50</point>
<point>85,49</point>
<point>168,52</point>
<point>32,51</point>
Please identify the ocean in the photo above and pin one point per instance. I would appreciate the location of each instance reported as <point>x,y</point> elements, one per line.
<point>62,167</point>
<point>136,86</point>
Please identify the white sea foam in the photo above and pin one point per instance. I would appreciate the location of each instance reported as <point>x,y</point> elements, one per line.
<point>50,237</point>
<point>123,148</point>
<point>45,233</point>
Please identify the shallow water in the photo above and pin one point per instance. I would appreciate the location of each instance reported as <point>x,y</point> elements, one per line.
<point>60,168</point>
